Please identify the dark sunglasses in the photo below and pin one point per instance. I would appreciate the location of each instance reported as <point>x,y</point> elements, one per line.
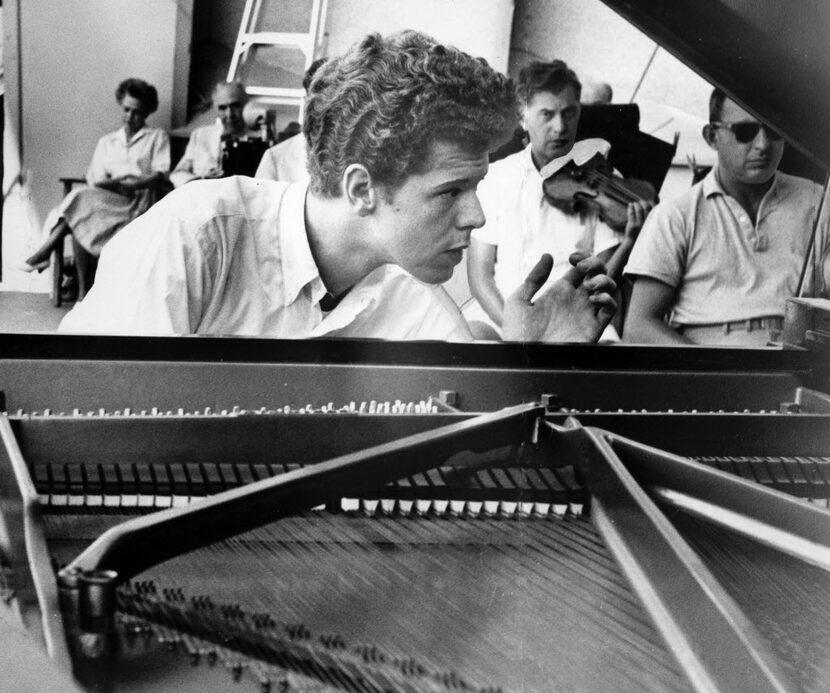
<point>748,131</point>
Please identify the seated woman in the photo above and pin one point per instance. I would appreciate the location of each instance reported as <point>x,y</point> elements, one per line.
<point>127,174</point>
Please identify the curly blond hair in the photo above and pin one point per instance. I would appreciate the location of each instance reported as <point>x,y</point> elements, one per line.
<point>387,100</point>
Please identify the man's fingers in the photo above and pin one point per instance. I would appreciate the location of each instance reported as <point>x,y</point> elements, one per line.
<point>582,267</point>
<point>535,279</point>
<point>606,307</point>
<point>600,283</point>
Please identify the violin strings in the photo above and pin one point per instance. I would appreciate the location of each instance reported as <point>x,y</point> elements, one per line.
<point>625,195</point>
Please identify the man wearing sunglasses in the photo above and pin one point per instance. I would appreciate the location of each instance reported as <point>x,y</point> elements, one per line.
<point>721,260</point>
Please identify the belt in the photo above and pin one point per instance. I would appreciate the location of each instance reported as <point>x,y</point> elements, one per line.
<point>769,323</point>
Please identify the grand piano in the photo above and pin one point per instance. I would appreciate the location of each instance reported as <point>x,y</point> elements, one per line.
<point>200,514</point>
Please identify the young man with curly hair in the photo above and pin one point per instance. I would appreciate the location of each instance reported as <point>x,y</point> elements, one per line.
<point>398,131</point>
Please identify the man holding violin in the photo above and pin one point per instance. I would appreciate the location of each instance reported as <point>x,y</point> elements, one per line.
<point>722,259</point>
<point>522,220</point>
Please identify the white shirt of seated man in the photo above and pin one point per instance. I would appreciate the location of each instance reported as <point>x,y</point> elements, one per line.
<point>523,225</point>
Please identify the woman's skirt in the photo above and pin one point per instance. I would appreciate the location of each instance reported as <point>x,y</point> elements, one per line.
<point>96,215</point>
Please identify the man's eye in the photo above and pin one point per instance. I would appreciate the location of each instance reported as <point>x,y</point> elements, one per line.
<point>452,192</point>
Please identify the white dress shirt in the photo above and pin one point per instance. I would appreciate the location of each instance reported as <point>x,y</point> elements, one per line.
<point>231,257</point>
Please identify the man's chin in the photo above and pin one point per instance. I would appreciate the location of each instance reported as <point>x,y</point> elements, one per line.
<point>758,176</point>
<point>434,275</point>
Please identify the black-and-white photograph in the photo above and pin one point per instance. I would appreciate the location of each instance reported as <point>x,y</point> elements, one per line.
<point>418,346</point>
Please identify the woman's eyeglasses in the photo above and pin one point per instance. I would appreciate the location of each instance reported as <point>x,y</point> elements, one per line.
<point>747,131</point>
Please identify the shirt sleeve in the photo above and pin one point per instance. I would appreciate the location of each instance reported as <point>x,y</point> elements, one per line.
<point>154,278</point>
<point>267,166</point>
<point>183,173</point>
<point>605,237</point>
<point>161,153</point>
<point>97,170</point>
<point>662,246</point>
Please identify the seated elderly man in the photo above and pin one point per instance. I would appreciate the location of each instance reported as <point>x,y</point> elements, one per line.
<point>722,259</point>
<point>222,148</point>
<point>398,132</point>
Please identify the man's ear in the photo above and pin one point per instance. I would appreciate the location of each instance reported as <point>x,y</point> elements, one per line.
<point>709,134</point>
<point>359,189</point>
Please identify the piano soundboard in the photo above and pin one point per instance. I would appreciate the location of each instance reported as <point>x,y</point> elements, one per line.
<point>419,522</point>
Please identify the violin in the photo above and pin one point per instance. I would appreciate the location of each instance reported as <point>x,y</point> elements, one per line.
<point>592,187</point>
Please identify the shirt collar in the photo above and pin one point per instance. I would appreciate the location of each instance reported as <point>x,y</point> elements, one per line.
<point>298,266</point>
<point>527,160</point>
<point>712,186</point>
<point>122,134</point>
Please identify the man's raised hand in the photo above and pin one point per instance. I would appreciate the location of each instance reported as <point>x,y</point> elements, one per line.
<point>576,308</point>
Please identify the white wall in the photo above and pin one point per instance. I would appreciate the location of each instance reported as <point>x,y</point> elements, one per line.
<point>478,27</point>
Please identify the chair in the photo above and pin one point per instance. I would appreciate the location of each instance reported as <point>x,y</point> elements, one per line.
<point>84,261</point>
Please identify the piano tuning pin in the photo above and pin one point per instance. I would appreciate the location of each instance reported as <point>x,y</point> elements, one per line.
<point>212,656</point>
<point>236,670</point>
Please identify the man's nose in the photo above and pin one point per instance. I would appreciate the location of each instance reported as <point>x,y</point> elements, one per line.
<point>762,139</point>
<point>472,216</point>
<point>558,124</point>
